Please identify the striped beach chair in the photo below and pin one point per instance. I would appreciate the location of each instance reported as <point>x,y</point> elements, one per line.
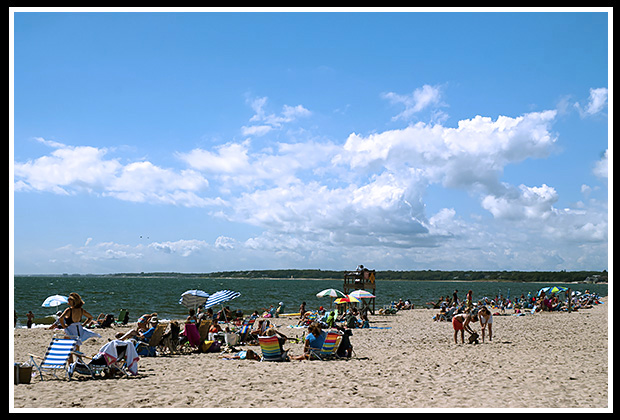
<point>270,347</point>
<point>329,348</point>
<point>56,358</point>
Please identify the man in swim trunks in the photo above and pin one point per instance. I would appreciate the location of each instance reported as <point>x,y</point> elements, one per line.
<point>460,322</point>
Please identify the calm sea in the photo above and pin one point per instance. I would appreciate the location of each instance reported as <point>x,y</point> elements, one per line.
<point>161,295</point>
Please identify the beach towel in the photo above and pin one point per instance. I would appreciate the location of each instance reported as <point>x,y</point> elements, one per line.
<point>110,353</point>
<point>79,333</point>
<point>191,332</point>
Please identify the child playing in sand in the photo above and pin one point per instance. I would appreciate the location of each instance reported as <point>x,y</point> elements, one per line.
<point>460,322</point>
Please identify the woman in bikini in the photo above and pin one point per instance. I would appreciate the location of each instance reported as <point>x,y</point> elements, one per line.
<point>70,320</point>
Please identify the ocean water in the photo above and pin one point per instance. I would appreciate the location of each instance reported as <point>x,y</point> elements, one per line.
<point>146,295</point>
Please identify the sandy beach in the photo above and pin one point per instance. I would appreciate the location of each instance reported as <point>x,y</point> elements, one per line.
<point>545,360</point>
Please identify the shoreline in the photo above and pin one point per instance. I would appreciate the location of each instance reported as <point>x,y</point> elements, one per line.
<point>410,363</point>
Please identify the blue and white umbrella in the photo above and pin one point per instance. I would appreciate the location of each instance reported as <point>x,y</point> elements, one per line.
<point>221,297</point>
<point>55,300</point>
<point>193,298</point>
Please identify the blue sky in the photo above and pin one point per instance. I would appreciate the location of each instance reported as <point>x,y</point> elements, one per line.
<point>199,142</point>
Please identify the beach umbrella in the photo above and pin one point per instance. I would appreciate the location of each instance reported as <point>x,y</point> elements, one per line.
<point>221,297</point>
<point>193,298</point>
<point>347,299</point>
<point>552,289</point>
<point>362,294</point>
<point>331,293</point>
<point>54,300</point>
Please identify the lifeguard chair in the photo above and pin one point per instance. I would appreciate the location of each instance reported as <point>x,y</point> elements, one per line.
<point>361,279</point>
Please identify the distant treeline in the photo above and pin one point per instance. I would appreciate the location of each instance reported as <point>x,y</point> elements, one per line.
<point>516,276</point>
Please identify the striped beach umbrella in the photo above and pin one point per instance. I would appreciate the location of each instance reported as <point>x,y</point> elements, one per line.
<point>331,293</point>
<point>221,297</point>
<point>193,298</point>
<point>347,299</point>
<point>362,294</point>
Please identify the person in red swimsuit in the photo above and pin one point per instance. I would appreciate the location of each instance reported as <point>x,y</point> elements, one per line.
<point>460,322</point>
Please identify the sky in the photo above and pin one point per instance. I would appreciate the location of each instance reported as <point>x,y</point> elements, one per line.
<point>209,141</point>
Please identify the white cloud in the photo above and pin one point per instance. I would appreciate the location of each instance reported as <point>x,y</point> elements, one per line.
<point>67,170</point>
<point>71,170</point>
<point>418,100</point>
<point>322,200</point>
<point>601,166</point>
<point>256,130</point>
<point>182,247</point>
<point>228,158</point>
<point>470,155</point>
<point>267,122</point>
<point>524,204</point>
<point>224,242</point>
<point>596,102</point>
<point>99,252</point>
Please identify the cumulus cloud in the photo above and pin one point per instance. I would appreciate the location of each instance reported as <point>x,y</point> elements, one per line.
<point>224,242</point>
<point>314,199</point>
<point>228,158</point>
<point>70,170</point>
<point>67,170</point>
<point>472,154</point>
<point>523,203</point>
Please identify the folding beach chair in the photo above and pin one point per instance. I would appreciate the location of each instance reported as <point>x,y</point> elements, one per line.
<point>56,357</point>
<point>111,359</point>
<point>170,340</point>
<point>121,317</point>
<point>329,348</point>
<point>244,332</point>
<point>150,348</point>
<point>270,347</point>
<point>203,329</point>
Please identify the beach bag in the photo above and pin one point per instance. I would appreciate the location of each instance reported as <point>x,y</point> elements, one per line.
<point>145,350</point>
<point>210,346</point>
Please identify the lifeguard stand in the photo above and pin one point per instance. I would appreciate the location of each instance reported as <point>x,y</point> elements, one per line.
<point>361,279</point>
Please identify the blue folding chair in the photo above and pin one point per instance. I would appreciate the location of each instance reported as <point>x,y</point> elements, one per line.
<point>56,358</point>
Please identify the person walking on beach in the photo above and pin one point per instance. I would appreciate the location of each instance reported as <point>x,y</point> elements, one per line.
<point>30,317</point>
<point>460,322</point>
<point>470,300</point>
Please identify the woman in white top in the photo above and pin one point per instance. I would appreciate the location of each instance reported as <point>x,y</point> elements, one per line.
<point>486,320</point>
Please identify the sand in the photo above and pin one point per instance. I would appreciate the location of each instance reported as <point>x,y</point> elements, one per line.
<point>545,360</point>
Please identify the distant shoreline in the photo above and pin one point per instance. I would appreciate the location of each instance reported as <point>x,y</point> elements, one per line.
<point>457,276</point>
